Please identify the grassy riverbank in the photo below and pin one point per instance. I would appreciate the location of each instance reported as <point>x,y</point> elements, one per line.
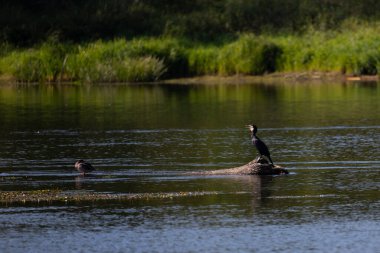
<point>353,50</point>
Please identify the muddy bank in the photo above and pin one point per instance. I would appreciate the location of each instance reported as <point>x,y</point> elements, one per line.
<point>278,77</point>
<point>54,195</point>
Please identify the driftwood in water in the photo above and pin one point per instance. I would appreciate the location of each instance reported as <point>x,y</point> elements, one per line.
<point>259,166</point>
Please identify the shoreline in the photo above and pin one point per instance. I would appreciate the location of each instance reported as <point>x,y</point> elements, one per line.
<point>276,77</point>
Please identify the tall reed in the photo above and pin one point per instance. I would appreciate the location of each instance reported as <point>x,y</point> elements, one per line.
<point>44,63</point>
<point>353,51</point>
<point>249,55</point>
<point>117,60</point>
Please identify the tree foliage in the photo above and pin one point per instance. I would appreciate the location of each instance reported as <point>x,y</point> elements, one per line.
<point>26,22</point>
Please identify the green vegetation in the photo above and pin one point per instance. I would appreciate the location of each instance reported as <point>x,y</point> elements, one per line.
<point>249,55</point>
<point>354,51</point>
<point>148,40</point>
<point>56,195</point>
<point>113,61</point>
<point>42,64</point>
<point>26,22</point>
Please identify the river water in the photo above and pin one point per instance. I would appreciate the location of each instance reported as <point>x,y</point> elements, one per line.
<point>144,138</point>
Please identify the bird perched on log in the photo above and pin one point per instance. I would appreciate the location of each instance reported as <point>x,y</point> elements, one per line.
<point>259,144</point>
<point>83,167</point>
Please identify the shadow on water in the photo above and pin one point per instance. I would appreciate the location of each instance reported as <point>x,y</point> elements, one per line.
<point>257,187</point>
<point>80,181</point>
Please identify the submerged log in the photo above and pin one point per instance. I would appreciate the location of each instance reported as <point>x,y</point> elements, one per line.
<point>259,166</point>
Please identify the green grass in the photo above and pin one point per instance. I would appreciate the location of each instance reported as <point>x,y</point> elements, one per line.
<point>117,60</point>
<point>249,55</point>
<point>354,51</point>
<point>45,63</point>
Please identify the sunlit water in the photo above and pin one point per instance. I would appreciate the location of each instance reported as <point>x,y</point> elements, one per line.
<point>144,138</point>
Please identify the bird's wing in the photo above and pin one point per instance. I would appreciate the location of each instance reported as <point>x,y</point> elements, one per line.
<point>262,147</point>
<point>88,166</point>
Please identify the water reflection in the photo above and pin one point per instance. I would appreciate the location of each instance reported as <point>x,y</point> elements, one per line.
<point>80,181</point>
<point>259,187</point>
<point>161,106</point>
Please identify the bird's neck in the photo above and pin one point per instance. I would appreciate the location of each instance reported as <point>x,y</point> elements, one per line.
<point>253,135</point>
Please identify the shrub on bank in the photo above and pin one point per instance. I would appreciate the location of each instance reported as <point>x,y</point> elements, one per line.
<point>113,61</point>
<point>172,52</point>
<point>249,55</point>
<point>203,60</point>
<point>45,63</point>
<point>24,66</point>
<point>355,51</point>
<point>94,62</point>
<point>118,60</point>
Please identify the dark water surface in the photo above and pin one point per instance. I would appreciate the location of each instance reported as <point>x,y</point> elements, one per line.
<point>142,138</point>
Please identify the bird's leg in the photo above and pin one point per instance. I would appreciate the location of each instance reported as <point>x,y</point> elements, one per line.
<point>265,158</point>
<point>269,160</point>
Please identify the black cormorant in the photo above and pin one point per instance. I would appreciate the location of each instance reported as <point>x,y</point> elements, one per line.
<point>83,167</point>
<point>259,144</point>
